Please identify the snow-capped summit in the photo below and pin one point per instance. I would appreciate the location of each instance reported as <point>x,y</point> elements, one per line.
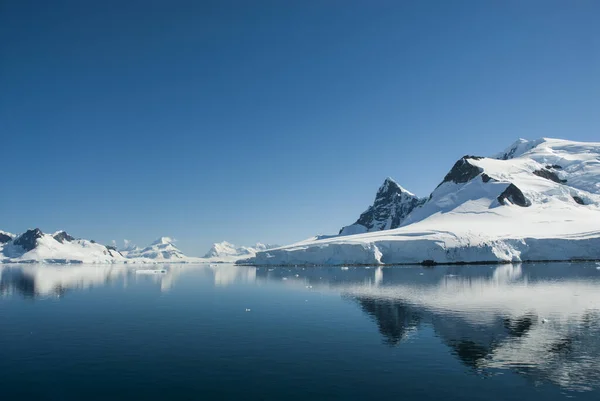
<point>62,236</point>
<point>391,206</point>
<point>538,200</point>
<point>227,252</point>
<point>219,249</point>
<point>163,241</point>
<point>518,148</point>
<point>161,249</point>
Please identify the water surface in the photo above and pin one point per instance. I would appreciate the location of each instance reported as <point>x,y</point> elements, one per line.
<point>508,332</point>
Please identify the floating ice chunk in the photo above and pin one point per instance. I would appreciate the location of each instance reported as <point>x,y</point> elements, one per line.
<point>151,271</point>
<point>248,309</point>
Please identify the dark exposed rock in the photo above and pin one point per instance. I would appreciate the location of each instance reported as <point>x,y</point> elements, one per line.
<point>428,262</point>
<point>486,178</point>
<point>28,240</point>
<point>391,206</point>
<point>62,236</point>
<point>514,195</point>
<point>4,238</point>
<point>549,175</point>
<point>462,171</point>
<point>554,166</point>
<point>509,154</point>
<point>578,200</point>
<point>112,250</point>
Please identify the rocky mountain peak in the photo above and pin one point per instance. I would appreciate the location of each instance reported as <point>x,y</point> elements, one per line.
<point>28,240</point>
<point>5,237</point>
<point>391,206</point>
<point>62,236</point>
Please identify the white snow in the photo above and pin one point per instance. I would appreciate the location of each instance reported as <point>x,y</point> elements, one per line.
<point>226,252</point>
<point>465,222</point>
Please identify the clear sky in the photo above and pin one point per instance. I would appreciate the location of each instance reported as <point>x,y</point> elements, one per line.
<point>270,120</point>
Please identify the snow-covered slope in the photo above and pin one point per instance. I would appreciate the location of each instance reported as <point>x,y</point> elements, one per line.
<point>391,207</point>
<point>227,252</point>
<point>538,200</point>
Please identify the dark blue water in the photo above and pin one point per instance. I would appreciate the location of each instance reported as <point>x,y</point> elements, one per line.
<point>226,332</point>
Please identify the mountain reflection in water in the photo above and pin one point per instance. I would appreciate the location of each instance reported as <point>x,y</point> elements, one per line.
<point>541,321</point>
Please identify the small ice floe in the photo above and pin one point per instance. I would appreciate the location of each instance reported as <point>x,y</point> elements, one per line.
<point>151,271</point>
<point>420,274</point>
<point>450,275</point>
<point>248,309</point>
<point>344,268</point>
<point>309,286</point>
<point>297,275</point>
<point>284,278</point>
<point>544,320</point>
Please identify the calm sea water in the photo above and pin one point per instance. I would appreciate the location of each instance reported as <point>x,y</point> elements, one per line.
<point>223,332</point>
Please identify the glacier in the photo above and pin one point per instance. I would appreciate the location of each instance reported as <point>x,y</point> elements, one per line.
<point>535,201</point>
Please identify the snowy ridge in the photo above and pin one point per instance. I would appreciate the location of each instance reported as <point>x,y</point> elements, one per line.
<point>538,200</point>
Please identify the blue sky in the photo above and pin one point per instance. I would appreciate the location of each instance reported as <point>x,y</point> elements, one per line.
<point>270,120</point>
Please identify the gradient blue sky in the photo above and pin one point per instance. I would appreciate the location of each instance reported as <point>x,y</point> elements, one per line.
<point>270,120</point>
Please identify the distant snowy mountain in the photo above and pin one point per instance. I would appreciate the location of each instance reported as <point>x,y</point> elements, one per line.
<point>162,249</point>
<point>35,246</point>
<point>537,200</point>
<point>391,207</point>
<point>227,252</point>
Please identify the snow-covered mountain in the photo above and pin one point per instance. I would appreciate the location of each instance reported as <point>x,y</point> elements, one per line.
<point>391,207</point>
<point>537,200</point>
<point>35,246</point>
<point>227,252</point>
<point>163,249</point>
